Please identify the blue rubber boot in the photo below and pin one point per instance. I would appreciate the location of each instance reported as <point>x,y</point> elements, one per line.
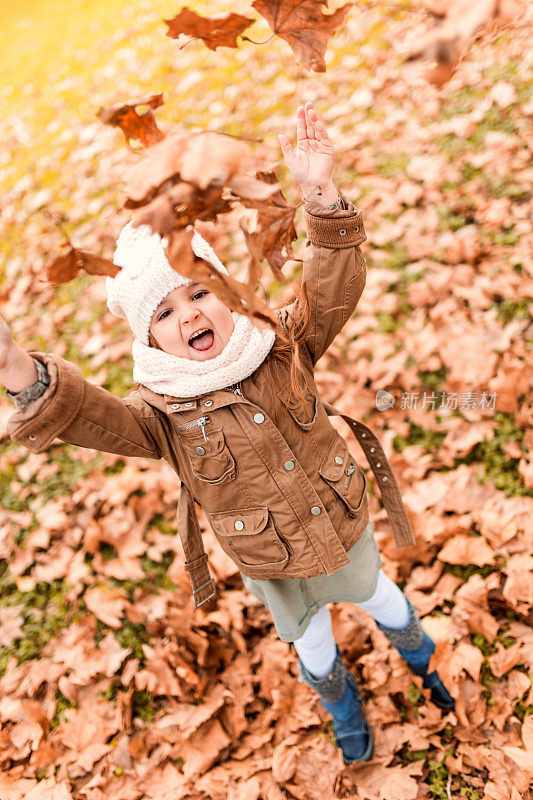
<point>416,648</point>
<point>339,696</point>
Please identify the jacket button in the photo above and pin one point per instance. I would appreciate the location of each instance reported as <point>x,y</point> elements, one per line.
<point>372,449</point>
<point>338,460</point>
<point>189,405</point>
<point>342,232</point>
<point>356,228</point>
<point>200,451</point>
<point>259,418</point>
<point>378,464</point>
<point>208,403</point>
<point>46,424</point>
<point>239,525</point>
<point>384,477</point>
<point>32,438</point>
<point>315,510</point>
<point>175,406</point>
<point>289,465</point>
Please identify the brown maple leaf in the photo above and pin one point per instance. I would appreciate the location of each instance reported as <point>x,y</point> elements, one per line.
<point>141,127</point>
<point>65,267</point>
<point>304,26</point>
<point>221,31</point>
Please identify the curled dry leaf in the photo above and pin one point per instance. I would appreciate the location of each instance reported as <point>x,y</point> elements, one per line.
<point>66,267</point>
<point>275,231</point>
<point>182,205</point>
<point>219,31</point>
<point>134,126</point>
<point>200,158</point>
<point>304,26</point>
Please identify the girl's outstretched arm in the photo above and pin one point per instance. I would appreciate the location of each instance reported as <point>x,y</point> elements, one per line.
<point>17,368</point>
<point>73,409</point>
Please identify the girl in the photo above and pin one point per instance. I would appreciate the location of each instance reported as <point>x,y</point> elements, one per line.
<point>233,407</point>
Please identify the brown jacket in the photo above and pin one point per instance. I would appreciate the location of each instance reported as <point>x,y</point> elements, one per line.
<point>284,501</point>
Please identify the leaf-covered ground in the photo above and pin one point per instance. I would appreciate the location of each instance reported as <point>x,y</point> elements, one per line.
<point>111,687</point>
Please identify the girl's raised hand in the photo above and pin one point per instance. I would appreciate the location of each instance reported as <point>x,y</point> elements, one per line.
<point>311,164</point>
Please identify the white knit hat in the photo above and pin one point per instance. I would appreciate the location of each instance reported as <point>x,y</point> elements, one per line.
<point>146,276</point>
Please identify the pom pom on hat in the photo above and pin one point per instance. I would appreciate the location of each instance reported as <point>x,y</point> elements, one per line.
<point>146,276</point>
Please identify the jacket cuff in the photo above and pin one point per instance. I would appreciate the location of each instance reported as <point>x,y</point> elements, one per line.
<point>47,417</point>
<point>339,228</point>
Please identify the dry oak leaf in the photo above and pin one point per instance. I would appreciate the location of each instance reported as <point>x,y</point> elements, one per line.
<point>141,127</point>
<point>466,550</point>
<point>66,267</point>
<point>387,783</point>
<point>48,789</point>
<point>199,158</point>
<point>107,604</point>
<point>304,26</point>
<point>10,622</point>
<point>216,31</point>
<point>82,734</point>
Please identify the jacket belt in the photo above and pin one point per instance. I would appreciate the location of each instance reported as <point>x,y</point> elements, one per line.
<point>203,585</point>
<point>390,493</point>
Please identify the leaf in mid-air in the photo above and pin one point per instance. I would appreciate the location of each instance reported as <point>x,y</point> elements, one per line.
<point>221,31</point>
<point>66,267</point>
<point>141,127</point>
<point>304,27</point>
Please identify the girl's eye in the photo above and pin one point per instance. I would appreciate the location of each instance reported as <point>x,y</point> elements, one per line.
<point>199,292</point>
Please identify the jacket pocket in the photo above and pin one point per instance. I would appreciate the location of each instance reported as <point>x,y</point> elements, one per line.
<point>304,414</point>
<point>251,540</point>
<point>344,475</point>
<point>210,459</point>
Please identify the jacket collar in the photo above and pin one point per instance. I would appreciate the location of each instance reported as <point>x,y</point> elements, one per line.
<point>209,401</point>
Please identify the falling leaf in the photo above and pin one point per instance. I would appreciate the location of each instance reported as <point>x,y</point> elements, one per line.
<point>200,158</point>
<point>66,267</point>
<point>135,126</point>
<point>304,26</point>
<point>218,31</point>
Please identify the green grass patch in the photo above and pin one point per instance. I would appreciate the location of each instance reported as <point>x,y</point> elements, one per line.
<point>497,464</point>
<point>46,612</point>
<point>430,440</point>
<point>511,309</point>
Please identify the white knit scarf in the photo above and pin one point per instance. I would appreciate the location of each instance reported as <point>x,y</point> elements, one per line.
<point>164,373</point>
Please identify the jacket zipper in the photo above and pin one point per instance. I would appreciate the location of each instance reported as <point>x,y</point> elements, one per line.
<point>201,421</point>
<point>349,472</point>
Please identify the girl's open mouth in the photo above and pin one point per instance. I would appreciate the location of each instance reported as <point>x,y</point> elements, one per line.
<point>202,341</point>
